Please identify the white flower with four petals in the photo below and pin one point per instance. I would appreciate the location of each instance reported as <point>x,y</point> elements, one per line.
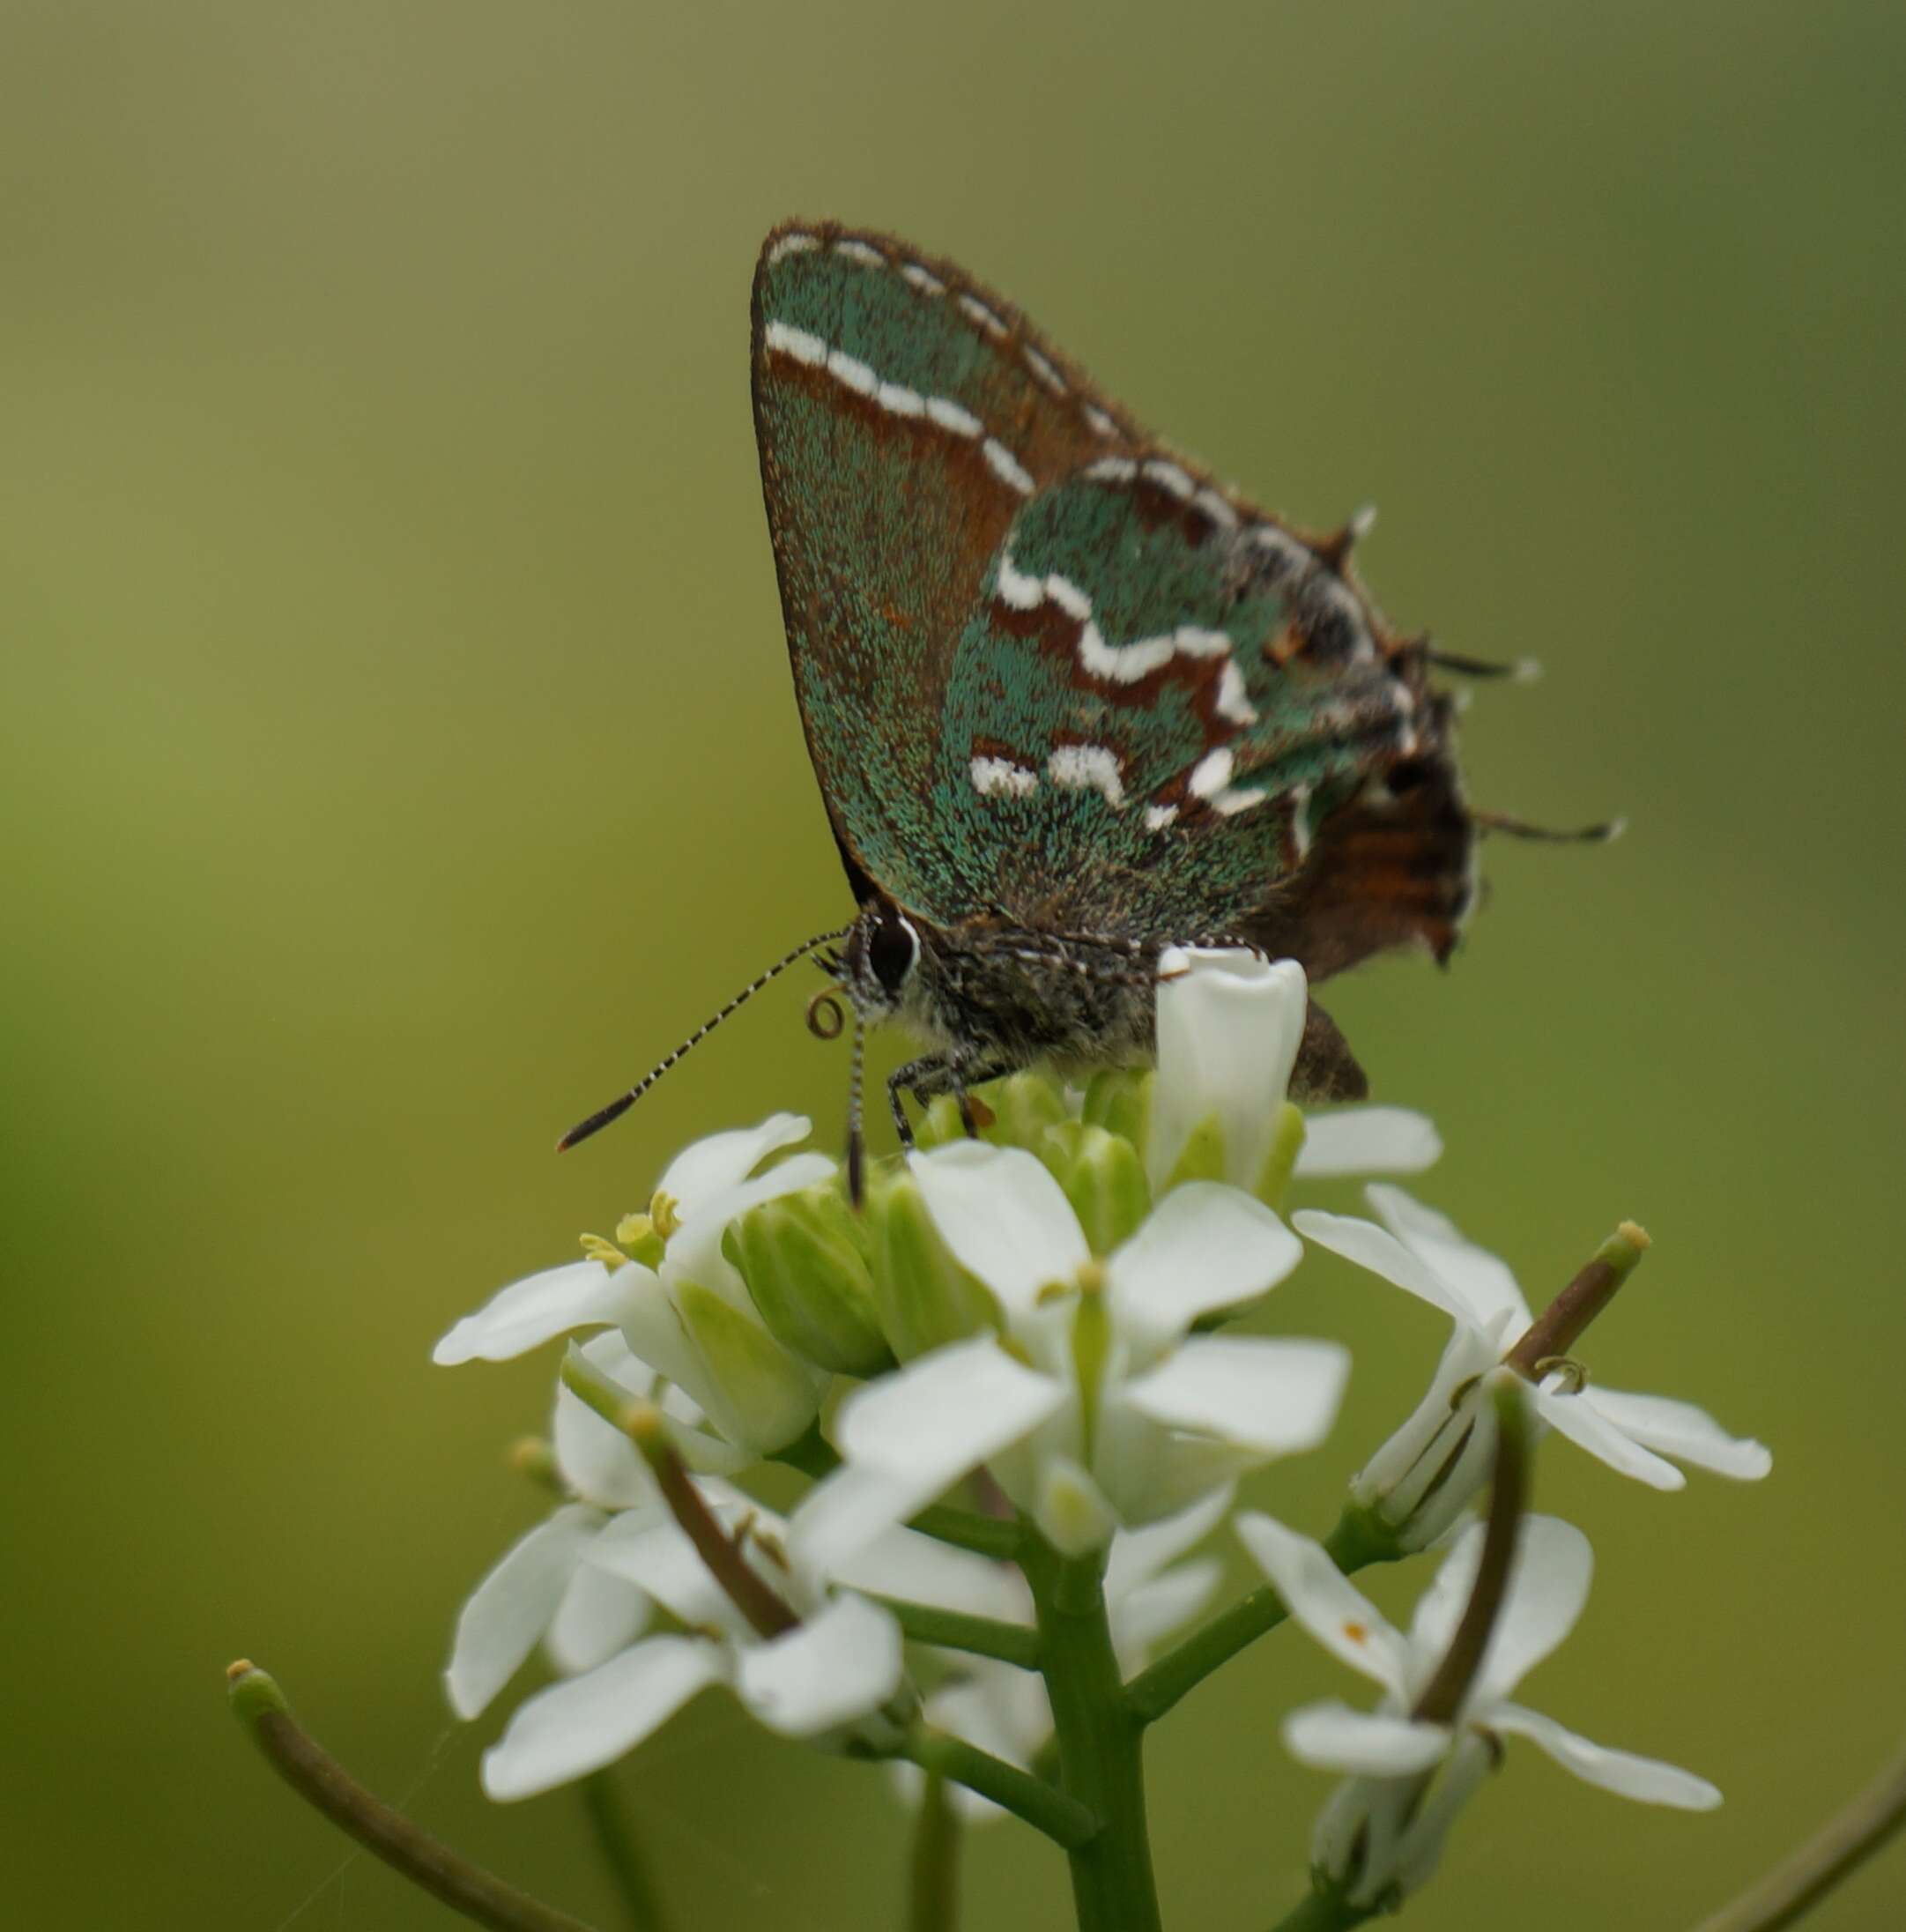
<point>1386,1827</point>
<point>1421,1478</point>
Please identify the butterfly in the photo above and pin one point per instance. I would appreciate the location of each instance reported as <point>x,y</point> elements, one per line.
<point>1070,700</point>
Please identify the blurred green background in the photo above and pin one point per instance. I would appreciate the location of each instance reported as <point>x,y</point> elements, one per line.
<point>398,753</point>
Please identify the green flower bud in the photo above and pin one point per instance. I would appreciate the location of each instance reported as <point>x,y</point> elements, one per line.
<point>801,1256</point>
<point>756,1394</point>
<point>1014,1111</point>
<point>1202,1158</point>
<point>925,1298</point>
<point>1104,1178</point>
<point>1119,1099</point>
<point>1287,1142</point>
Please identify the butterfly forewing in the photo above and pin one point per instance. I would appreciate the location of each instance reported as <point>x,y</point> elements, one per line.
<point>904,415</point>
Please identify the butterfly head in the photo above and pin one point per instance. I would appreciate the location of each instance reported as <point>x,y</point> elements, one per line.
<point>880,962</point>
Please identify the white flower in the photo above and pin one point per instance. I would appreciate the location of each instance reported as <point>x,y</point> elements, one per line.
<point>1148,1595</point>
<point>1095,1410</point>
<point>1229,1026</point>
<point>545,1589</point>
<point>1386,1827</point>
<point>841,1662</point>
<point>689,1318</point>
<point>1422,1477</point>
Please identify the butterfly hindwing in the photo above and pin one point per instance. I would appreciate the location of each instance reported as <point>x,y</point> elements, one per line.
<point>1155,701</point>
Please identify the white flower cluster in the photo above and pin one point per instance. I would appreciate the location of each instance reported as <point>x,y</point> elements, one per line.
<point>1039,1322</point>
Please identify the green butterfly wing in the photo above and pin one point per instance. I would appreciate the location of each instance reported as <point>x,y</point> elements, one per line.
<point>904,415</point>
<point>1157,702</point>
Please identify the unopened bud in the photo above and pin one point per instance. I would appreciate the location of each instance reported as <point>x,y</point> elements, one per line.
<point>1287,1142</point>
<point>801,1256</point>
<point>1014,1111</point>
<point>924,1298</point>
<point>757,1395</point>
<point>1119,1099</point>
<point>1104,1180</point>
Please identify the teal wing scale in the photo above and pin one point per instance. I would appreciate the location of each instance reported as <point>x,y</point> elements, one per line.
<point>904,416</point>
<point>1157,702</point>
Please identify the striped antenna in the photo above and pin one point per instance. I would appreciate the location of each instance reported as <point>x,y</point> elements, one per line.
<point>856,1139</point>
<point>617,1108</point>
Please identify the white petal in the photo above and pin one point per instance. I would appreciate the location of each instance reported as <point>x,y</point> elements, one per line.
<point>1325,1601</point>
<point>1138,1555</point>
<point>656,1555</point>
<point>529,1312</point>
<point>1679,1430</point>
<point>1481,1278</point>
<point>1420,1849</point>
<point>694,1249</point>
<point>837,1666</point>
<point>945,1413</point>
<point>707,1166</point>
<point>599,1615</point>
<point>1203,1246</point>
<point>1230,1024</point>
<point>1143,1618</point>
<point>846,1513</point>
<point>1646,1779</point>
<point>1331,1736</point>
<point>596,1459</point>
<point>1004,1216</point>
<point>1548,1585</point>
<point>512,1607</point>
<point>1568,1415</point>
<point>904,1563</point>
<point>1270,1396</point>
<point>996,1706</point>
<point>1371,1247</point>
<point>1368,1140</point>
<point>583,1723</point>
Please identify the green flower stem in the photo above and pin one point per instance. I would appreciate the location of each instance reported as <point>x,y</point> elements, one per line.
<point>956,1630</point>
<point>966,1530</point>
<point>1100,1765</point>
<point>1358,1539</point>
<point>933,1872</point>
<point>615,1839</point>
<point>325,1784</point>
<point>1063,1819</point>
<point>1325,1912</point>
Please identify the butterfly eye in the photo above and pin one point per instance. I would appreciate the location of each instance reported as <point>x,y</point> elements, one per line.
<point>892,950</point>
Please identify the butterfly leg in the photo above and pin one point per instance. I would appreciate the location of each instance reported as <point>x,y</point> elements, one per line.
<point>936,1074</point>
<point>913,1077</point>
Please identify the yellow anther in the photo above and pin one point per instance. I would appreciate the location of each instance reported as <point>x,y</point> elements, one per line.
<point>633,1227</point>
<point>1090,1277</point>
<point>664,1213</point>
<point>606,1251</point>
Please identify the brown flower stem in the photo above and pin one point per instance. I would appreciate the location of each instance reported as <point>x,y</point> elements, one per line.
<point>323,1783</point>
<point>1840,1845</point>
<point>1560,1325</point>
<point>1509,1493</point>
<point>641,1422</point>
